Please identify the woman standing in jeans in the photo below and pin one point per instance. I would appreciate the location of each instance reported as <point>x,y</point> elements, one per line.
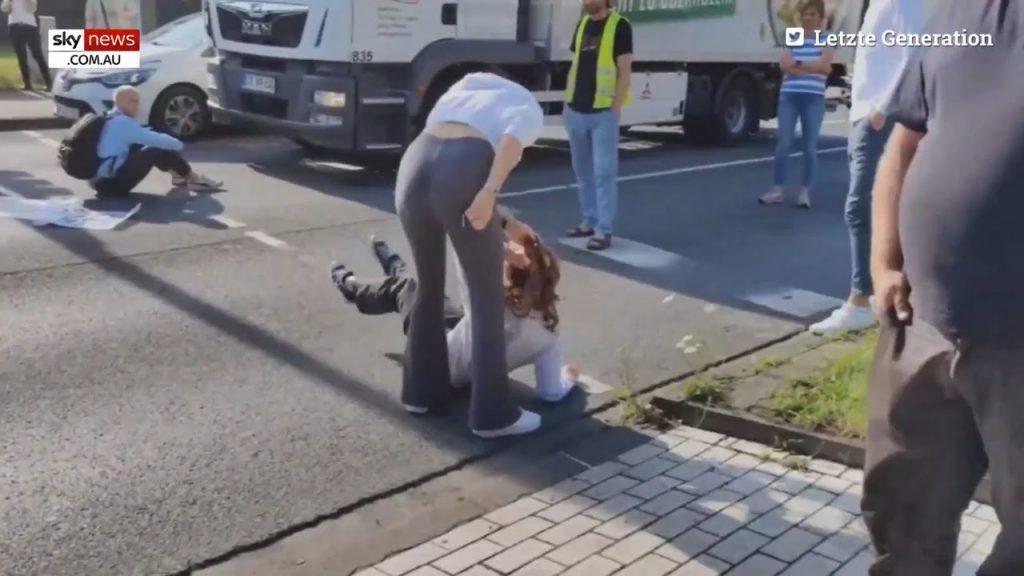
<point>805,70</point>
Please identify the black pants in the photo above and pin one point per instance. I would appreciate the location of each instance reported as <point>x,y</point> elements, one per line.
<point>437,180</point>
<point>941,414</point>
<point>141,160</point>
<point>394,294</point>
<point>25,39</point>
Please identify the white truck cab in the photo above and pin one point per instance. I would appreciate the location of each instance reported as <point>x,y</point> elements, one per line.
<point>361,75</point>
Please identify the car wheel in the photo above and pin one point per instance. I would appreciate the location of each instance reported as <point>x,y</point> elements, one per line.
<point>181,111</point>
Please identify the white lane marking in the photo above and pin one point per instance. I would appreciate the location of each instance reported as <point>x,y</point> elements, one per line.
<point>794,301</point>
<point>633,253</point>
<point>673,172</point>
<point>229,222</point>
<point>591,385</point>
<point>39,137</point>
<point>263,237</point>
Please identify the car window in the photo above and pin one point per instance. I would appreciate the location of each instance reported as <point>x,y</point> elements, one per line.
<point>186,32</point>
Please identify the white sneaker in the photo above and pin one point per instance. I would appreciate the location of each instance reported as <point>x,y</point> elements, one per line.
<point>528,422</point>
<point>847,318</point>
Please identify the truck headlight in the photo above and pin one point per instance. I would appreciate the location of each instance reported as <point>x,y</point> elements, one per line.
<point>325,119</point>
<point>331,99</point>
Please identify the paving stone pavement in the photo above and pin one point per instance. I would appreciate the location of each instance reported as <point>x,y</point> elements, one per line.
<point>689,503</point>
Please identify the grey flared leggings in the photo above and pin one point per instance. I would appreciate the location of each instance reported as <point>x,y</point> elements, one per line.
<point>437,181</point>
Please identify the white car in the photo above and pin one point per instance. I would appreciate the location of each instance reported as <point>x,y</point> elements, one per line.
<point>171,81</point>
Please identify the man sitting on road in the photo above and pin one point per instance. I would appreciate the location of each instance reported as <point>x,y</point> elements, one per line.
<point>128,151</point>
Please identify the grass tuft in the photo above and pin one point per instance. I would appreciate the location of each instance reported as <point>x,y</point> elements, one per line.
<point>833,400</point>
<point>10,76</point>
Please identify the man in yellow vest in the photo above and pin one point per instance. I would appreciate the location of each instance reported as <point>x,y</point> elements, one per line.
<point>596,91</point>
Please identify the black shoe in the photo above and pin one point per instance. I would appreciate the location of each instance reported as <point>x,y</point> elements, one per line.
<point>342,278</point>
<point>385,256</point>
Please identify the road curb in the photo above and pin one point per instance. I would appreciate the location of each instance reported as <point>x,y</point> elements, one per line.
<point>748,427</point>
<point>45,123</point>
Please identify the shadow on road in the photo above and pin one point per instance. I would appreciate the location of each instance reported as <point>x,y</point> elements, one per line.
<point>449,430</point>
<point>177,206</point>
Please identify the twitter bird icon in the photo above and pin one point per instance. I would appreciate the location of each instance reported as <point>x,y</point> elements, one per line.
<point>794,36</point>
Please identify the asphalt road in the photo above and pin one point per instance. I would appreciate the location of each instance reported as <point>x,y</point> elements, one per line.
<point>191,382</point>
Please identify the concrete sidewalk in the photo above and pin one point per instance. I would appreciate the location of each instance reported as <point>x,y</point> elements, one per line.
<point>690,503</point>
<point>21,110</point>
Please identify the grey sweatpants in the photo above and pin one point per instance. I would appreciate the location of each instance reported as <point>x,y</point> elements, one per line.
<point>437,181</point>
<point>940,415</point>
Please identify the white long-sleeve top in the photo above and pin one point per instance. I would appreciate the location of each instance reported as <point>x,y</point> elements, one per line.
<point>527,341</point>
<point>877,69</point>
<point>20,12</point>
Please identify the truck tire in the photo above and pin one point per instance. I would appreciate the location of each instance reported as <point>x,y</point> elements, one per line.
<point>734,117</point>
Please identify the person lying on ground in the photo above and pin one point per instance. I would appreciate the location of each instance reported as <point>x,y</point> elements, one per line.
<point>128,151</point>
<point>531,318</point>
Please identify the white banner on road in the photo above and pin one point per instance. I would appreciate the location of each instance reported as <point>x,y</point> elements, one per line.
<point>67,214</point>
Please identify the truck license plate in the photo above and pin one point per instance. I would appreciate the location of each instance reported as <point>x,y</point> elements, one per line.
<point>257,83</point>
<point>63,111</point>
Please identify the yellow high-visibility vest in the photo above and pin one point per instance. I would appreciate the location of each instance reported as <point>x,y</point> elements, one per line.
<point>607,71</point>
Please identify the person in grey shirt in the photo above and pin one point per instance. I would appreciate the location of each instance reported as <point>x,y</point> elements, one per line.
<point>946,393</point>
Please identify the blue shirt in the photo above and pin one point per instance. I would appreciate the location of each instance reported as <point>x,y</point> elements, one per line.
<point>807,83</point>
<point>120,133</point>
<point>493,106</point>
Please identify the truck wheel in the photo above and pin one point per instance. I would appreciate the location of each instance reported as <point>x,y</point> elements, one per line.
<point>735,115</point>
<point>181,111</point>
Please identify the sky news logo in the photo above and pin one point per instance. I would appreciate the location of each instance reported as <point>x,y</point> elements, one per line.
<point>94,49</point>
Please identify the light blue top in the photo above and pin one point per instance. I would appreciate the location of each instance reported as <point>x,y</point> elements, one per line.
<point>806,83</point>
<point>493,106</point>
<point>119,134</point>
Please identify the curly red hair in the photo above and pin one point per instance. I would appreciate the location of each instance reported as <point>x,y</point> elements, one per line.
<point>532,290</point>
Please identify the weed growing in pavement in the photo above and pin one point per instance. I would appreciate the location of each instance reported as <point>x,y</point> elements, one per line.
<point>766,364</point>
<point>783,454</point>
<point>707,389</point>
<point>634,411</point>
<point>703,387</point>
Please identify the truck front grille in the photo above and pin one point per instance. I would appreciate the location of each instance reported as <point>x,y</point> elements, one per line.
<point>263,23</point>
<point>265,105</point>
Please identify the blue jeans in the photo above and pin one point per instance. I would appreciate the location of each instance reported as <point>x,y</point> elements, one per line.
<point>594,143</point>
<point>809,109</point>
<point>863,151</point>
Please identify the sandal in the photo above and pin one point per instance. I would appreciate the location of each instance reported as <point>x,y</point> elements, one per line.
<point>598,243</point>
<point>579,232</point>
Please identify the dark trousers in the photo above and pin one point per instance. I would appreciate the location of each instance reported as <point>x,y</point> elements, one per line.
<point>25,40</point>
<point>940,415</point>
<point>437,180</point>
<point>141,160</point>
<point>394,294</point>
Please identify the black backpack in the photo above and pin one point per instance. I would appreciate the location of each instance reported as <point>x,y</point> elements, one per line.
<point>78,153</point>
